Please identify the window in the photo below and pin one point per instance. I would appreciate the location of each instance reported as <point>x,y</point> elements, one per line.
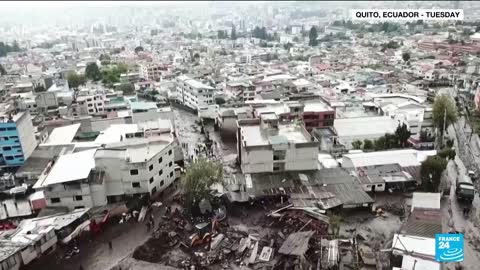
<point>90,110</point>
<point>160,160</point>
<point>136,184</point>
<point>171,174</point>
<point>160,172</point>
<point>11,128</point>
<point>379,185</point>
<point>11,262</point>
<point>7,148</point>
<point>162,183</point>
<point>170,164</point>
<point>150,167</point>
<point>3,129</point>
<point>90,105</point>
<point>154,190</point>
<point>151,180</point>
<point>8,157</point>
<point>55,200</point>
<point>170,152</point>
<point>78,198</point>
<point>134,172</point>
<point>79,207</point>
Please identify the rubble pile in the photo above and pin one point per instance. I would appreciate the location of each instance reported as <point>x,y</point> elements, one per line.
<point>291,238</point>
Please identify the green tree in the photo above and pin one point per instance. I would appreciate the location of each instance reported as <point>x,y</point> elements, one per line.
<point>447,153</point>
<point>200,176</point>
<point>403,134</point>
<point>287,46</point>
<point>39,89</point>
<point>2,71</point>
<point>444,112</point>
<point>380,143</point>
<point>5,48</point>
<point>368,145</point>
<point>335,221</point>
<point>313,37</point>
<point>431,171</point>
<point>220,100</point>
<point>75,80</point>
<point>221,34</point>
<point>127,88</point>
<point>406,56</point>
<point>138,49</point>
<point>233,34</point>
<point>92,72</point>
<point>295,39</point>
<point>357,144</point>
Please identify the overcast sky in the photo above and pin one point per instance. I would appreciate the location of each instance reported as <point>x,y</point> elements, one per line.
<point>58,4</point>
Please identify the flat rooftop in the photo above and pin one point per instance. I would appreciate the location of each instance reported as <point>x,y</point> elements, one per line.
<point>69,168</point>
<point>254,136</point>
<point>137,150</point>
<point>362,126</point>
<point>62,135</point>
<point>283,108</point>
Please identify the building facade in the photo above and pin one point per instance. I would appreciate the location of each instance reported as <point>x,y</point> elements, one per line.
<point>264,145</point>
<point>17,139</point>
<point>197,96</point>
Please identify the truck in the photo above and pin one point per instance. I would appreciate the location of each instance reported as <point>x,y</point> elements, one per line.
<point>464,188</point>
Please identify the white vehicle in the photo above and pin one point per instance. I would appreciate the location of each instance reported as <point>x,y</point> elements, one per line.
<point>21,190</point>
<point>178,171</point>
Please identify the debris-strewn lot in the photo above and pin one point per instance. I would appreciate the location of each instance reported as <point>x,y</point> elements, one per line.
<point>275,237</point>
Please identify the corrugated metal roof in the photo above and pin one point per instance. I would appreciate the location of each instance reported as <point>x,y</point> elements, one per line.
<point>296,243</point>
<point>325,188</point>
<point>423,222</point>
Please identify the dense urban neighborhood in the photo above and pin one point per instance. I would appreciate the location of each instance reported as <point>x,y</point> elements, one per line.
<point>237,135</point>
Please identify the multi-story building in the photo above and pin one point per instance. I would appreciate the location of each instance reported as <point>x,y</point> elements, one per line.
<point>314,114</point>
<point>72,182</point>
<point>132,159</point>
<point>131,77</point>
<point>17,138</point>
<point>197,96</point>
<point>151,71</point>
<point>137,166</point>
<point>265,145</point>
<point>243,90</point>
<point>91,102</point>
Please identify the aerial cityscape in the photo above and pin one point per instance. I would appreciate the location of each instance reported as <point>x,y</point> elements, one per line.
<point>239,135</point>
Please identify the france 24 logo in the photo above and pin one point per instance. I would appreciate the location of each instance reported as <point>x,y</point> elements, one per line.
<point>449,247</point>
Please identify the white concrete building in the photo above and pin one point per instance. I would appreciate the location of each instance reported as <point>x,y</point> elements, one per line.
<point>151,71</point>
<point>131,159</point>
<point>148,111</point>
<point>137,166</point>
<point>362,128</point>
<point>197,96</point>
<point>264,145</point>
<point>91,102</point>
<point>72,182</point>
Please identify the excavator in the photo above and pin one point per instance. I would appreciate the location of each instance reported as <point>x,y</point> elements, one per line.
<point>204,232</point>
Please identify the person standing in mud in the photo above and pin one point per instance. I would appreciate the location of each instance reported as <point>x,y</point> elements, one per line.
<point>148,226</point>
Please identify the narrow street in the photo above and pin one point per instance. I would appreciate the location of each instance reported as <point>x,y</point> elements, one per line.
<point>95,253</point>
<point>453,219</point>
